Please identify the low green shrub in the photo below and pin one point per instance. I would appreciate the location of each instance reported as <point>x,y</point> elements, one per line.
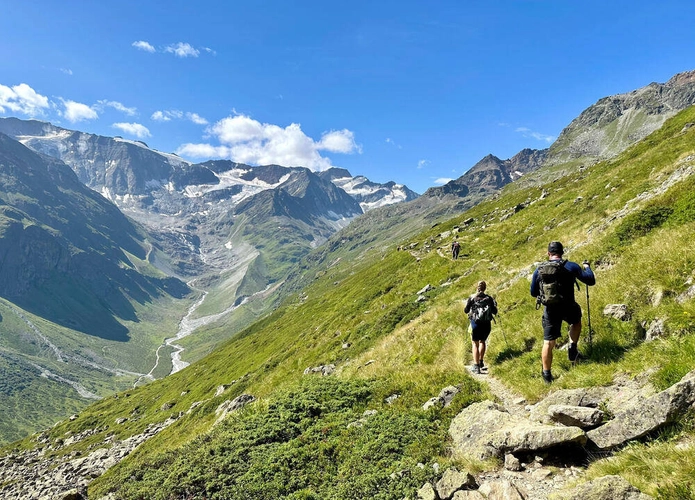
<point>311,442</point>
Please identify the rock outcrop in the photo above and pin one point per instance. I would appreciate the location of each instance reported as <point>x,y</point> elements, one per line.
<point>485,430</point>
<point>603,488</point>
<point>638,421</point>
<point>31,474</point>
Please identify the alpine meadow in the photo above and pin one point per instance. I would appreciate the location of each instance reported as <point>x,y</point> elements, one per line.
<point>267,332</point>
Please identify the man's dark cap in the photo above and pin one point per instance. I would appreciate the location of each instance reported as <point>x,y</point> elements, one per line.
<point>555,247</point>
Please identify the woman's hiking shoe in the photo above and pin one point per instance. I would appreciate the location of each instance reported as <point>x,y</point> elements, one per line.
<point>572,352</point>
<point>475,369</point>
<point>547,376</point>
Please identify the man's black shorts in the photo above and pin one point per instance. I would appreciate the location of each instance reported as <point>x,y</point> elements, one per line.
<point>553,318</point>
<point>481,330</point>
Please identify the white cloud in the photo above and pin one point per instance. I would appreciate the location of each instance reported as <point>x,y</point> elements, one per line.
<point>203,151</point>
<point>22,99</point>
<point>182,49</point>
<point>175,114</point>
<point>142,45</point>
<point>422,163</point>
<point>165,116</point>
<point>67,71</point>
<point>339,141</point>
<point>116,105</point>
<point>246,140</point>
<point>536,135</point>
<point>77,112</point>
<point>196,118</point>
<point>392,143</point>
<point>442,180</point>
<point>210,51</point>
<point>139,131</point>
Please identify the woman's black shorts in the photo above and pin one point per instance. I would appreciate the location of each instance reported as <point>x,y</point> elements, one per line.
<point>481,330</point>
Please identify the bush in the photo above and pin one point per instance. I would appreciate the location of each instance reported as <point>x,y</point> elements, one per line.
<point>300,447</point>
<point>642,222</point>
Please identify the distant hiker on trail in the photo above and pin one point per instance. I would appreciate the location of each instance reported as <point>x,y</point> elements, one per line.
<point>455,247</point>
<point>553,285</point>
<point>481,309</point>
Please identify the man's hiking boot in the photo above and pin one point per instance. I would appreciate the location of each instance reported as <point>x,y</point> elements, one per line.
<point>573,353</point>
<point>475,369</point>
<point>481,365</point>
<point>547,376</point>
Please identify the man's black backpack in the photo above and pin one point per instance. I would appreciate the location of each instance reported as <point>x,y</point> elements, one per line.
<point>555,283</point>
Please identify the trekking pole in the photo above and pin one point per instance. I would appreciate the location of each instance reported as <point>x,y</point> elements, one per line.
<point>503,334</point>
<point>588,316</point>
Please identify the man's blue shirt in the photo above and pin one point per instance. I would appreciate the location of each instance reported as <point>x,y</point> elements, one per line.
<point>583,275</point>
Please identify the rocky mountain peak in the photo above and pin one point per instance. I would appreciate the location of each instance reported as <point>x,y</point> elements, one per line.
<point>615,122</point>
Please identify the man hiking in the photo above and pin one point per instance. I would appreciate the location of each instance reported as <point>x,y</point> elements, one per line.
<point>553,285</point>
<point>480,308</point>
<point>455,247</point>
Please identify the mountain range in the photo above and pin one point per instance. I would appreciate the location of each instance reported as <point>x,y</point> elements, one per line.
<point>356,385</point>
<point>226,242</point>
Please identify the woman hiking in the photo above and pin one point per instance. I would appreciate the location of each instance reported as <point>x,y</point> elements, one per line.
<point>480,308</point>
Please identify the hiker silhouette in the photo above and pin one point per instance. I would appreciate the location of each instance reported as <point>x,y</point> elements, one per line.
<point>455,248</point>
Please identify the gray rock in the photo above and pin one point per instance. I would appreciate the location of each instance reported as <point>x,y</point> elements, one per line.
<point>512,463</point>
<point>604,488</point>
<point>74,494</point>
<point>322,369</point>
<point>427,492</point>
<point>392,398</point>
<point>623,394</point>
<point>687,295</point>
<point>468,495</point>
<point>452,481</point>
<point>540,474</point>
<point>500,490</point>
<point>578,416</point>
<point>426,289</point>
<point>431,402</point>
<point>657,411</point>
<point>485,430</point>
<point>617,311</point>
<point>236,404</point>
<point>656,329</point>
<point>447,394</point>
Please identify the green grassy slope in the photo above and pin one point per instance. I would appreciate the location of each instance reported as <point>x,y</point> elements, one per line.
<point>633,217</point>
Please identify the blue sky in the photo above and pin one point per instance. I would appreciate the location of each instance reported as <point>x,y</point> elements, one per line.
<point>411,91</point>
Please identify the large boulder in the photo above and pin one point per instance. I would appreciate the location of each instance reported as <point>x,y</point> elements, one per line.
<point>657,411</point>
<point>577,416</point>
<point>427,493</point>
<point>500,490</point>
<point>603,488</point>
<point>485,430</point>
<point>452,481</point>
<point>625,393</point>
<point>468,495</point>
